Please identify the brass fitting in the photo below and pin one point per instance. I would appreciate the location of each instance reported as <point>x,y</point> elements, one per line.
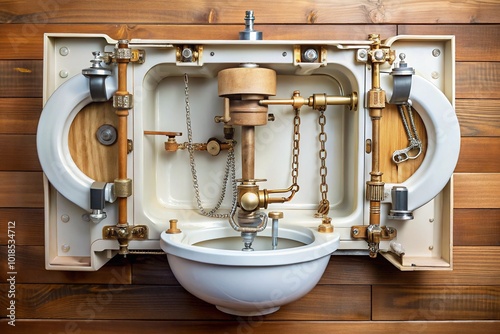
<point>173,227</point>
<point>123,187</point>
<point>326,225</point>
<point>124,233</point>
<point>248,195</point>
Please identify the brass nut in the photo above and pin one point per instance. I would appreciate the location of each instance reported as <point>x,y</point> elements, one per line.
<point>326,226</point>
<point>123,187</point>
<point>376,98</point>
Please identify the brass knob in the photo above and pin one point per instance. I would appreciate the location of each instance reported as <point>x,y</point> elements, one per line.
<point>249,201</point>
<point>173,227</point>
<point>275,214</point>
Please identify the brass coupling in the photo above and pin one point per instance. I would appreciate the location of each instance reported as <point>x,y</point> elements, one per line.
<point>125,101</point>
<point>375,191</point>
<point>376,100</point>
<point>123,187</point>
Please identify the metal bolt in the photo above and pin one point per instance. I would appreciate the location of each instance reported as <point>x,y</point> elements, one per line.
<point>63,74</point>
<point>65,248</point>
<point>65,218</point>
<point>355,231</point>
<point>310,55</point>
<point>212,53</point>
<point>435,75</point>
<point>436,52</point>
<point>64,51</point>
<point>431,247</point>
<point>431,220</point>
<point>284,54</point>
<point>379,55</point>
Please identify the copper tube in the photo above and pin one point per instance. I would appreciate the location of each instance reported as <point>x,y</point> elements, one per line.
<point>122,135</point>
<point>247,152</point>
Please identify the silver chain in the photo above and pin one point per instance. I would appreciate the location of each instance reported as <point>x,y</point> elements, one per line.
<point>324,204</point>
<point>413,139</point>
<point>229,171</point>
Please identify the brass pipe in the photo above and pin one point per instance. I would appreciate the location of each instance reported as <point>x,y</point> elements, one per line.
<point>122,114</point>
<point>375,187</point>
<point>316,101</point>
<point>248,153</point>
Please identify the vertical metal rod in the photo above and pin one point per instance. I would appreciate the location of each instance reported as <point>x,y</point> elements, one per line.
<point>275,233</point>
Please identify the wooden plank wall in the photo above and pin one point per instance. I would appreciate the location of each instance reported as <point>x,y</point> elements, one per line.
<point>356,294</point>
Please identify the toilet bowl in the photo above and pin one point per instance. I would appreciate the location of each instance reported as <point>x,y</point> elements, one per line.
<point>248,283</point>
<point>52,138</point>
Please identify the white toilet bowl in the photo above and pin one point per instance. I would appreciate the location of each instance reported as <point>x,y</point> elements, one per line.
<point>248,283</point>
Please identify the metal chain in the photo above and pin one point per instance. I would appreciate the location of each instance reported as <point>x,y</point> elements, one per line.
<point>295,152</point>
<point>414,141</point>
<point>324,204</point>
<point>229,171</point>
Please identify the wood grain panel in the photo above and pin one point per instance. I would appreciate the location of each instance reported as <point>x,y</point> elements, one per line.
<point>476,191</point>
<point>479,155</point>
<point>152,269</point>
<point>393,137</point>
<point>91,302</point>
<point>19,153</point>
<point>248,325</point>
<point>97,161</point>
<point>30,267</point>
<point>29,225</point>
<point>478,117</point>
<point>21,189</point>
<point>21,78</point>
<point>472,42</point>
<point>472,227</point>
<point>282,11</point>
<point>29,45</point>
<point>471,266</point>
<point>477,80</point>
<point>435,303</point>
<point>19,115</point>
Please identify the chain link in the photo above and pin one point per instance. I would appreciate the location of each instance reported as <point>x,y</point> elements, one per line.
<point>229,171</point>
<point>324,204</point>
<point>295,152</point>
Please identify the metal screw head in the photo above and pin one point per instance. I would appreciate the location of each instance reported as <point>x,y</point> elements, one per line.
<point>436,52</point>
<point>355,231</point>
<point>65,218</point>
<point>64,51</point>
<point>65,248</point>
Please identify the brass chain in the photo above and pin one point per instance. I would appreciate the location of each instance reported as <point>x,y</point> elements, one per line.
<point>324,204</point>
<point>295,152</point>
